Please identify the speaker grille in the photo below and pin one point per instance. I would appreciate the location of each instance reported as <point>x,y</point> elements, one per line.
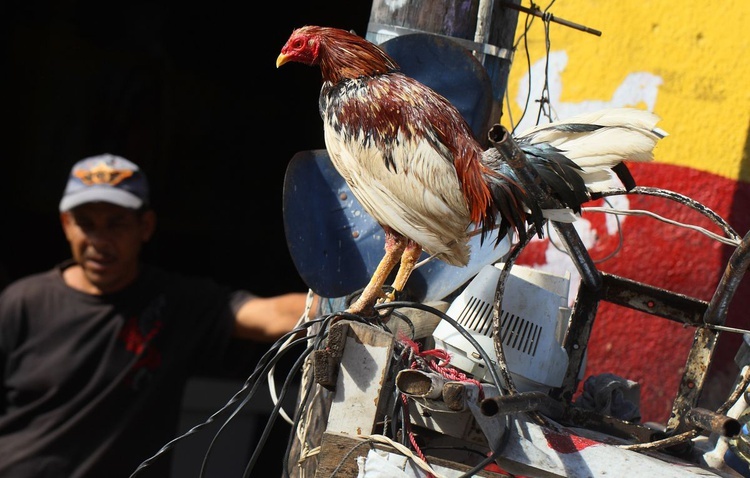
<point>515,331</point>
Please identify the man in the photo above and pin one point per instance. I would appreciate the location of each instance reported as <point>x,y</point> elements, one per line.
<point>95,353</point>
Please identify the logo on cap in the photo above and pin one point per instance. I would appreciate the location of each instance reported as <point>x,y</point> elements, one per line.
<point>103,174</point>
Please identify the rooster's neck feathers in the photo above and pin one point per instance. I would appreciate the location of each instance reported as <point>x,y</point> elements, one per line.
<point>344,55</point>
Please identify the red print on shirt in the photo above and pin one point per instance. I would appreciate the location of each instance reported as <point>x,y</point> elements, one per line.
<point>138,341</point>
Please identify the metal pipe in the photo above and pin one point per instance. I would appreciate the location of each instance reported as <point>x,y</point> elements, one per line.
<point>716,313</point>
<point>715,422</point>
<point>522,402</point>
<point>457,394</point>
<point>548,16</point>
<point>581,258</point>
<point>484,23</point>
<point>417,383</point>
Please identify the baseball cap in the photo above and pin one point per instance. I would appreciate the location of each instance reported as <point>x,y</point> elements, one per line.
<point>105,178</point>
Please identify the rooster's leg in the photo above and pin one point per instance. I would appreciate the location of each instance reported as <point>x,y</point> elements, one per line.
<point>394,248</point>
<point>409,259</point>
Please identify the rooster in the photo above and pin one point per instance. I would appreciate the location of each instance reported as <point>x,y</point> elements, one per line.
<point>412,161</point>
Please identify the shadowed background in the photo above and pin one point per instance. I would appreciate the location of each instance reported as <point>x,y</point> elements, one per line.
<point>190,91</point>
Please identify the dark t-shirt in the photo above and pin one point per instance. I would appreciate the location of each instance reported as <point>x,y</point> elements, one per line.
<point>92,385</point>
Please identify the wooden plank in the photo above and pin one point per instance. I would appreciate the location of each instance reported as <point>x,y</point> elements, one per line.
<point>339,453</point>
<point>362,386</point>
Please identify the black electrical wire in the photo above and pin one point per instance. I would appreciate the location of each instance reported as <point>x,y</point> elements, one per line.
<point>236,397</point>
<point>479,466</point>
<point>247,398</point>
<point>319,339</point>
<point>274,414</point>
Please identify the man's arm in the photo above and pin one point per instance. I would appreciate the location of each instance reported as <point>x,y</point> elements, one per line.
<point>266,319</point>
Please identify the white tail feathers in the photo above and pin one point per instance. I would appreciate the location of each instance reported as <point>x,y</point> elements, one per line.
<point>625,134</point>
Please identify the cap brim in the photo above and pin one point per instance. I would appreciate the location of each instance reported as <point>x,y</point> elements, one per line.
<point>101,194</point>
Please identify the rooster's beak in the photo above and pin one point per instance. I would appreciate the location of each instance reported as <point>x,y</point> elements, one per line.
<point>282,58</point>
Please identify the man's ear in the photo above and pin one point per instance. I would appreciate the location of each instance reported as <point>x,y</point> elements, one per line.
<point>148,220</point>
<point>66,220</point>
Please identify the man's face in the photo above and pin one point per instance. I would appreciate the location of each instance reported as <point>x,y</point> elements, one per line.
<point>106,241</point>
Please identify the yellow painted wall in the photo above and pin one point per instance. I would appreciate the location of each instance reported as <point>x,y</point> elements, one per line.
<point>698,50</point>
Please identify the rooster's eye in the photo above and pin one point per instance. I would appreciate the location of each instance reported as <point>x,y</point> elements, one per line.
<point>298,43</point>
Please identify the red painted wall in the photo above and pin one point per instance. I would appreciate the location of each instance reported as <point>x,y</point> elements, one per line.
<point>650,350</point>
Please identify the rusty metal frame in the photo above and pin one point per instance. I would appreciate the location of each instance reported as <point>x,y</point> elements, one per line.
<point>597,286</point>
